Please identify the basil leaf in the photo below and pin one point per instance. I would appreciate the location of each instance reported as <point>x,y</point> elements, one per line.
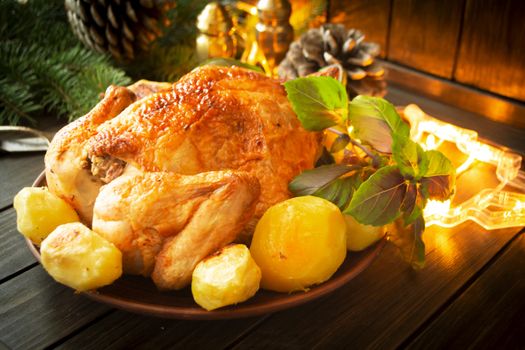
<point>319,102</point>
<point>375,120</point>
<point>408,239</point>
<point>309,181</point>
<point>378,200</point>
<point>410,157</point>
<point>409,202</point>
<point>440,179</point>
<point>339,191</point>
<point>340,143</point>
<point>438,187</point>
<point>228,62</point>
<point>438,164</point>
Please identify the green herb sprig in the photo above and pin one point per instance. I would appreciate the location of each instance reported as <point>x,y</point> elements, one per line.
<point>389,179</point>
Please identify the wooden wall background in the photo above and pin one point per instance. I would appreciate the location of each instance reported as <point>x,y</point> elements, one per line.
<point>479,43</point>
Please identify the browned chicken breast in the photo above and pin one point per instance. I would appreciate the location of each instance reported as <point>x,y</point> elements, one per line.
<point>188,169</point>
<point>214,118</point>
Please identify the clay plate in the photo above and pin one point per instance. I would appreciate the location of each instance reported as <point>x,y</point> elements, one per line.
<point>139,294</point>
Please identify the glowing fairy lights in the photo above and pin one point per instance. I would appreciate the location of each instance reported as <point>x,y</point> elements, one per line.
<point>492,208</point>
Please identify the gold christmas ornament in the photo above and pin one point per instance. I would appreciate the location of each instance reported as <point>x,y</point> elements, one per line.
<point>216,33</point>
<point>273,30</point>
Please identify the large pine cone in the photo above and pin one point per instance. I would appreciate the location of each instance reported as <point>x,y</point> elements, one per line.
<point>332,44</point>
<point>121,27</point>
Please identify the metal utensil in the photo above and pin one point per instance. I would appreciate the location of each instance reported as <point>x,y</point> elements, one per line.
<point>23,139</point>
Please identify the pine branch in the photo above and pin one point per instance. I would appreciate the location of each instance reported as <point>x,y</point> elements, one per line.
<point>43,67</point>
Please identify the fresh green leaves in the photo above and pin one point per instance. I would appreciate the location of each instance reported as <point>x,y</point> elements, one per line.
<point>438,164</point>
<point>319,102</point>
<point>309,181</point>
<point>410,157</point>
<point>392,177</point>
<point>440,178</point>
<point>378,200</point>
<point>408,239</point>
<point>339,191</point>
<point>375,121</point>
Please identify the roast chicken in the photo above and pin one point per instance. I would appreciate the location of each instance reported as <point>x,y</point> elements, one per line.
<point>171,176</point>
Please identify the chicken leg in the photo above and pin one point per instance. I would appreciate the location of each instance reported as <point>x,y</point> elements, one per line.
<point>165,223</point>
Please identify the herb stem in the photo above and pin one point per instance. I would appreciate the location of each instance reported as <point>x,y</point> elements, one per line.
<point>376,161</point>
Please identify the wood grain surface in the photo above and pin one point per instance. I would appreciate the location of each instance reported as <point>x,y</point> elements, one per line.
<point>369,16</point>
<point>492,51</point>
<point>424,34</point>
<point>18,170</point>
<point>13,249</point>
<point>36,311</point>
<point>490,312</point>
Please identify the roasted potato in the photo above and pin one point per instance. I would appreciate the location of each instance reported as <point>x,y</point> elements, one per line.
<point>298,243</point>
<point>39,212</point>
<point>359,236</point>
<point>228,277</point>
<point>79,258</point>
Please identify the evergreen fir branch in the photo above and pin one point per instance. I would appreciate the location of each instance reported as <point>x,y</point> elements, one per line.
<point>43,68</point>
<point>17,103</point>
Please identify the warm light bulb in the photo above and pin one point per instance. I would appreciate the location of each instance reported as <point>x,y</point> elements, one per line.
<point>491,208</point>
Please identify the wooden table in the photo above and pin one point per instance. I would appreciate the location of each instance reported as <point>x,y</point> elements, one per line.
<point>470,294</point>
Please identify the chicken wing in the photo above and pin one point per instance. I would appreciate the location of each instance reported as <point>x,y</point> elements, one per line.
<point>67,172</point>
<point>165,223</point>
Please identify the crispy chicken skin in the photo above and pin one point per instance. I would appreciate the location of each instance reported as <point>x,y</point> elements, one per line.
<point>67,173</point>
<point>165,223</point>
<point>214,118</point>
<point>183,170</point>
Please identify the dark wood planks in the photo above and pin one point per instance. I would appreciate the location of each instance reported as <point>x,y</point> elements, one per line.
<point>492,51</point>
<point>503,134</point>
<point>424,34</point>
<point>499,109</point>
<point>389,301</point>
<point>16,171</point>
<point>489,314</point>
<point>13,249</point>
<point>35,311</point>
<point>121,329</point>
<point>371,17</point>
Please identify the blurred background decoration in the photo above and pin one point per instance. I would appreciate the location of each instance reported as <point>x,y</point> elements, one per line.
<point>217,37</point>
<point>58,56</point>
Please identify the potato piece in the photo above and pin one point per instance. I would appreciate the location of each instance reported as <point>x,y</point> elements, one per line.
<point>359,236</point>
<point>227,277</point>
<point>79,258</point>
<point>39,212</point>
<point>298,243</point>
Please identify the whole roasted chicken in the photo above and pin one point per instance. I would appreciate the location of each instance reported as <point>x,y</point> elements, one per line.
<point>171,173</point>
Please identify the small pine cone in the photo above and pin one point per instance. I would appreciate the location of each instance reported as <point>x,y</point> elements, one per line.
<point>121,27</point>
<point>332,44</point>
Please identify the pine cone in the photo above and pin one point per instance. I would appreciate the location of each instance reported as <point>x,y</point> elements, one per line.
<point>121,27</point>
<point>332,44</point>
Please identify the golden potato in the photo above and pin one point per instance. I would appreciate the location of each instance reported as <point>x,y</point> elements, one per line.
<point>298,243</point>
<point>39,212</point>
<point>79,258</point>
<point>359,236</point>
<point>228,277</point>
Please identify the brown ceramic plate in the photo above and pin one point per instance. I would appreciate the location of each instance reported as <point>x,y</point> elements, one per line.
<point>138,294</point>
